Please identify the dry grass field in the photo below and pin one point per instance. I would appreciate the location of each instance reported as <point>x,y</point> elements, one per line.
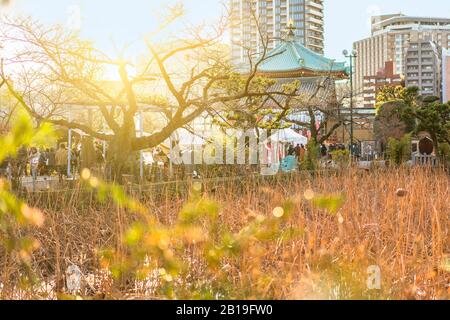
<point>294,237</point>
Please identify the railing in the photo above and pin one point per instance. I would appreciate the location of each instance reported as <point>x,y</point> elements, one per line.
<point>425,160</point>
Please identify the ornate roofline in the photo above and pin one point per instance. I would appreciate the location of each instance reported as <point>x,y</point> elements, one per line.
<point>302,73</point>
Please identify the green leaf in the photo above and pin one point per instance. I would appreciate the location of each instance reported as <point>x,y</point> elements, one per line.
<point>332,203</point>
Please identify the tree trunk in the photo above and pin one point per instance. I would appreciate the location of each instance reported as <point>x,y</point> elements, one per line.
<point>435,143</point>
<point>120,149</point>
<point>119,152</point>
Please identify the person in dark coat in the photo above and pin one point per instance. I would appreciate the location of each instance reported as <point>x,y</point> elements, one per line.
<point>43,163</point>
<point>291,150</point>
<point>297,151</point>
<point>51,160</point>
<point>22,160</point>
<point>323,150</point>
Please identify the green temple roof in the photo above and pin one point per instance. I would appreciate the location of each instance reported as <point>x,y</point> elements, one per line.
<point>291,55</point>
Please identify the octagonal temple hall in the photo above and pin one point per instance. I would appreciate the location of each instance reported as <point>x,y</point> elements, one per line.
<point>290,60</point>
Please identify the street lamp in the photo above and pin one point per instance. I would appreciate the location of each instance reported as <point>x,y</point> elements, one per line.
<point>351,56</point>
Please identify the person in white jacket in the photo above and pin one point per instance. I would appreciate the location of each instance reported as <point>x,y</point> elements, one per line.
<point>34,165</point>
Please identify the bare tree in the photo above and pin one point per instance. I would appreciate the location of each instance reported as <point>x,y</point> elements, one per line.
<point>52,68</point>
<point>319,101</point>
<point>8,108</point>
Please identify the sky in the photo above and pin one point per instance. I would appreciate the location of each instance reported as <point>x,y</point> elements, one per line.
<point>114,24</point>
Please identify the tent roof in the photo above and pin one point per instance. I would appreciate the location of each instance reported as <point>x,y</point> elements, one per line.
<point>289,136</point>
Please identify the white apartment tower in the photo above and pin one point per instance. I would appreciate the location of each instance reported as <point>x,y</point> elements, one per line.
<point>390,40</point>
<point>424,68</point>
<point>274,17</point>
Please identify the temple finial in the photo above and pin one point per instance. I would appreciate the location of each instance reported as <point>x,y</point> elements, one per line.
<point>291,31</point>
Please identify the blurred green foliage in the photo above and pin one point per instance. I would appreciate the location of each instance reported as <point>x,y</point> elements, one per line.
<point>155,250</point>
<point>332,203</point>
<point>311,161</point>
<point>399,151</point>
<point>15,215</point>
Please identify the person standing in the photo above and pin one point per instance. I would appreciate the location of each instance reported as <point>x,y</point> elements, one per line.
<point>291,150</point>
<point>34,158</point>
<point>51,160</point>
<point>22,157</point>
<point>297,151</point>
<point>61,158</point>
<point>43,162</point>
<point>75,157</point>
<point>323,150</point>
<point>302,153</point>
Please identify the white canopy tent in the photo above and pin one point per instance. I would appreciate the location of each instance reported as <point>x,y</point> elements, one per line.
<point>288,136</point>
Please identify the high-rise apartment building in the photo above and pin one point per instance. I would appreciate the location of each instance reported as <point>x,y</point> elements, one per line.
<point>274,17</point>
<point>445,75</point>
<point>423,68</point>
<point>375,83</point>
<point>390,39</point>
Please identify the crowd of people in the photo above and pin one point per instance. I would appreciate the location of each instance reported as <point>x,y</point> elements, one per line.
<point>298,151</point>
<point>326,151</point>
<point>34,162</point>
<point>336,147</point>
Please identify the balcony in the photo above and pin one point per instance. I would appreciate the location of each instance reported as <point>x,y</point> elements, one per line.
<point>427,54</point>
<point>427,62</point>
<point>412,75</point>
<point>411,63</point>
<point>316,13</point>
<point>315,47</point>
<point>428,77</point>
<point>315,37</point>
<point>314,20</point>
<point>314,4</point>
